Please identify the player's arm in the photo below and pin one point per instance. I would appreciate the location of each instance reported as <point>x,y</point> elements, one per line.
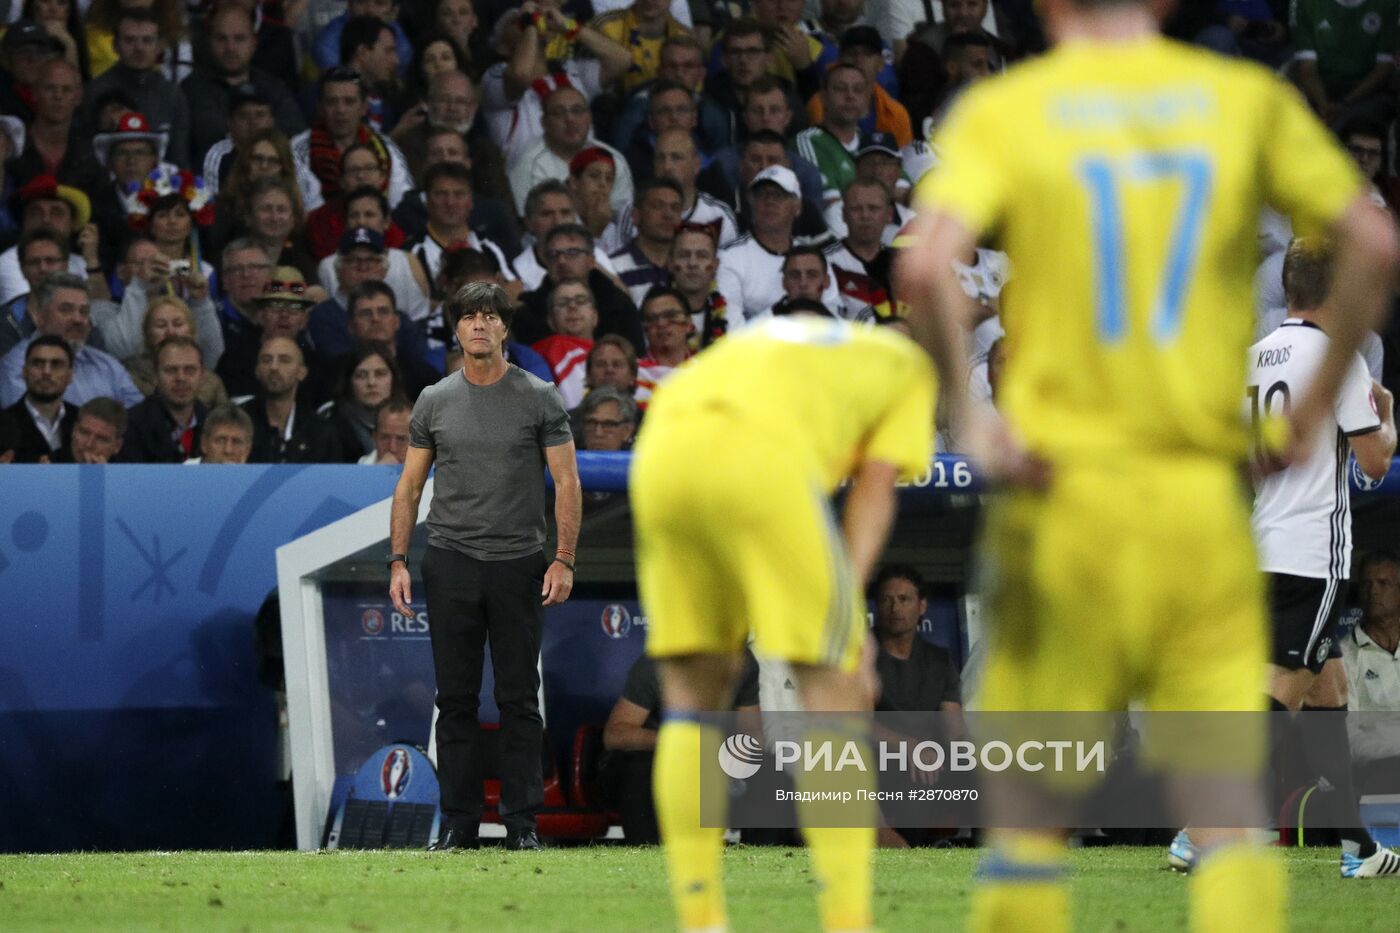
<point>568,515</point>
<point>625,731</point>
<point>403,513</point>
<point>868,515</point>
<point>1374,449</point>
<point>940,313</point>
<point>1367,255</point>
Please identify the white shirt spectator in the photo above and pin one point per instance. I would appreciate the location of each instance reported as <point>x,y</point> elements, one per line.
<point>837,223</point>
<point>707,210</point>
<point>532,273</point>
<point>407,295</point>
<point>400,181</point>
<point>12,280</point>
<point>1373,682</point>
<point>514,126</point>
<point>750,278</point>
<point>895,19</point>
<point>537,162</point>
<point>429,253</point>
<point>309,184</point>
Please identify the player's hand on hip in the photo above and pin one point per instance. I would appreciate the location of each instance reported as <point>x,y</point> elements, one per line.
<point>401,588</point>
<point>558,584</point>
<point>1004,460</point>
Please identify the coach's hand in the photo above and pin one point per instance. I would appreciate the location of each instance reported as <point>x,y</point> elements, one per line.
<point>558,584</point>
<point>401,587</point>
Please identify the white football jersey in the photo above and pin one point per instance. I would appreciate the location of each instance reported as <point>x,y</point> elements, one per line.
<point>1302,515</point>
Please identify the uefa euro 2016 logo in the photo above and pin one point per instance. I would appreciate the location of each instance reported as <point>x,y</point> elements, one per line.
<point>393,777</point>
<point>372,621</point>
<point>741,756</point>
<point>616,621</point>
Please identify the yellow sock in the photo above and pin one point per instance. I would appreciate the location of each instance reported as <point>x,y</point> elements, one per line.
<point>1020,886</point>
<point>842,850</point>
<point>1238,887</point>
<point>693,852</point>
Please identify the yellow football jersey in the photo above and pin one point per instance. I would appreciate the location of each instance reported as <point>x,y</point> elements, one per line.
<point>1126,181</point>
<point>830,393</point>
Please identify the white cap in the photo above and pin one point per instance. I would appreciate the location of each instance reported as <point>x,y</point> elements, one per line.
<point>780,175</point>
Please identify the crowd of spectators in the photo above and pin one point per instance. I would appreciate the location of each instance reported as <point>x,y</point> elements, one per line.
<point>259,205</point>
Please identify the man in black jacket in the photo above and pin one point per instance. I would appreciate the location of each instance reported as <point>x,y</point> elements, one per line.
<point>165,428</point>
<point>286,428</point>
<point>41,423</point>
<point>568,254</point>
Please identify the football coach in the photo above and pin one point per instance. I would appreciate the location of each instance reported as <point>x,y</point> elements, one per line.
<point>490,429</point>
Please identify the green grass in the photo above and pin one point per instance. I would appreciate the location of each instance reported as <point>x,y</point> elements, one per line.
<point>601,888</point>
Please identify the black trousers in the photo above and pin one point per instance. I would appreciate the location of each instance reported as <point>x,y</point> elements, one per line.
<point>469,601</point>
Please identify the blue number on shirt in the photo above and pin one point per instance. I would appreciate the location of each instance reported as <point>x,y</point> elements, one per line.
<point>1105,178</point>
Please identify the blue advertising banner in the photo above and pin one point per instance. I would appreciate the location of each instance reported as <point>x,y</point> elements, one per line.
<point>131,715</point>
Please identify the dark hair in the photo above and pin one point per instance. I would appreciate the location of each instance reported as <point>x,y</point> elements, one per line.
<point>117,96</point>
<point>539,192</point>
<point>571,281</point>
<point>359,32</point>
<point>837,66</point>
<point>44,235</point>
<point>746,26</point>
<point>1307,273</point>
<point>420,46</point>
<point>76,27</point>
<point>875,183</point>
<point>967,40</point>
<point>667,86</point>
<point>453,170</point>
<point>657,182</point>
<point>1382,555</point>
<point>130,15</point>
<point>570,230</point>
<point>370,288</point>
<point>477,296</point>
<point>663,291</point>
<point>805,250</point>
<point>767,84</point>
<point>890,572</point>
<point>167,202</point>
<point>461,263</point>
<point>365,147</point>
<point>367,191</point>
<point>179,340</point>
<point>393,405</point>
<point>342,75</point>
<point>107,410</point>
<point>49,340</point>
<point>767,138</point>
<point>363,350</point>
<point>801,306</point>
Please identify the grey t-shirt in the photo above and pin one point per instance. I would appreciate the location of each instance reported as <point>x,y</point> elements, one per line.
<point>488,446</point>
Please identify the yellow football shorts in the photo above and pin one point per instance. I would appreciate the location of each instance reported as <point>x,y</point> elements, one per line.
<point>733,537</point>
<point>1125,582</point>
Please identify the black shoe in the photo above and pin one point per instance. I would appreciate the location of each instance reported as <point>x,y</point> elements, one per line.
<point>523,841</point>
<point>453,838</point>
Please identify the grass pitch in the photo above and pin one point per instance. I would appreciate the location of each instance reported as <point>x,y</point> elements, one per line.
<point>599,888</point>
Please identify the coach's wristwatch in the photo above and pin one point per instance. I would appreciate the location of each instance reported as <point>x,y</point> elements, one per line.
<point>398,557</point>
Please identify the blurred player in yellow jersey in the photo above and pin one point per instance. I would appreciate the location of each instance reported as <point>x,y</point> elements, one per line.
<point>1124,175</point>
<point>730,485</point>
